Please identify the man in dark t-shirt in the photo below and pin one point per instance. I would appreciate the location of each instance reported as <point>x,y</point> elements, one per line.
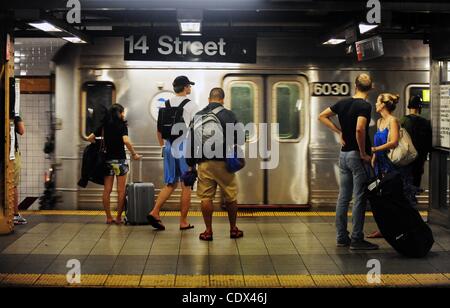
<point>421,134</point>
<point>348,110</point>
<point>354,118</point>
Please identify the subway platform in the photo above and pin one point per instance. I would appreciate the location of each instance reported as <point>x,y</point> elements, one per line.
<point>279,250</point>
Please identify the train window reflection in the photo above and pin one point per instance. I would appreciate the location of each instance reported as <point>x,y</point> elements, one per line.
<point>243,97</point>
<point>288,107</point>
<point>97,97</point>
<point>424,93</point>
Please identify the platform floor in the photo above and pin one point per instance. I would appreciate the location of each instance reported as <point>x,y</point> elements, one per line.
<point>280,249</point>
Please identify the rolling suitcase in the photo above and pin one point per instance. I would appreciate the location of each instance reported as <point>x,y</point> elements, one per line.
<point>139,202</point>
<point>401,225</point>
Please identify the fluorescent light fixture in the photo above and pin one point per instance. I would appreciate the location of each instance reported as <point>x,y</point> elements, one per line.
<point>45,26</point>
<point>74,39</point>
<point>363,28</point>
<point>190,26</point>
<point>191,34</point>
<point>190,21</point>
<point>334,41</point>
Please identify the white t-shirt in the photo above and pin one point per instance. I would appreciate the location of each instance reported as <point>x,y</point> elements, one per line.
<point>189,110</point>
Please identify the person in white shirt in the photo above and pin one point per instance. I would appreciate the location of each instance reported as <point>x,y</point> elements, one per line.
<point>174,168</point>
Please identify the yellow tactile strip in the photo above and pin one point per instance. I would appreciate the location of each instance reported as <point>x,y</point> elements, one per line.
<point>20,279</point>
<point>229,281</point>
<point>192,281</point>
<point>245,213</point>
<point>261,281</point>
<point>123,281</point>
<point>330,281</point>
<point>226,281</point>
<point>161,281</point>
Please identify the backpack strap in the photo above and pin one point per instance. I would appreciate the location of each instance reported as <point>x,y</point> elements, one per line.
<point>217,110</point>
<point>184,102</point>
<point>167,102</point>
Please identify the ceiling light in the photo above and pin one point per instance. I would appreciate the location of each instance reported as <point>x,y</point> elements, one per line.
<point>75,40</point>
<point>45,26</point>
<point>334,41</point>
<point>190,26</point>
<point>191,34</point>
<point>363,28</point>
<point>190,21</point>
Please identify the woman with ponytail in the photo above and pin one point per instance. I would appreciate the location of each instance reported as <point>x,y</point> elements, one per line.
<point>387,138</point>
<point>388,132</point>
<point>115,136</point>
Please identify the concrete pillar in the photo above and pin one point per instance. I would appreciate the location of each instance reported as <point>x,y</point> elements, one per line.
<point>7,165</point>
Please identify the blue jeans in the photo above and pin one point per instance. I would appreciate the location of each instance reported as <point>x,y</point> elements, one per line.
<point>353,179</point>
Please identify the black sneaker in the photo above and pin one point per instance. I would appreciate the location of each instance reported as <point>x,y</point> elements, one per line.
<point>363,245</point>
<point>343,243</point>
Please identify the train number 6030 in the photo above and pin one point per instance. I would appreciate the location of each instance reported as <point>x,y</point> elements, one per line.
<point>331,89</point>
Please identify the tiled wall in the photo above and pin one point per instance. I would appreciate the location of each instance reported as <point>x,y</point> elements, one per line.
<point>32,58</point>
<point>32,55</point>
<point>34,110</point>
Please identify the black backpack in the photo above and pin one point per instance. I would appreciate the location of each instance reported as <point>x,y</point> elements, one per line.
<point>421,133</point>
<point>168,117</point>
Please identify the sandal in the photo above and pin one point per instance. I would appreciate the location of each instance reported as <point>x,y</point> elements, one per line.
<point>189,226</point>
<point>155,223</point>
<point>236,233</point>
<point>206,236</point>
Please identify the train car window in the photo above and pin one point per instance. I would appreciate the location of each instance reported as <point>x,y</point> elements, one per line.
<point>424,92</point>
<point>243,97</point>
<point>288,107</point>
<point>97,97</point>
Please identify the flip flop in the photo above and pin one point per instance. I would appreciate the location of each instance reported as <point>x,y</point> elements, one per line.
<point>236,233</point>
<point>155,223</point>
<point>206,236</point>
<point>375,234</point>
<point>187,227</point>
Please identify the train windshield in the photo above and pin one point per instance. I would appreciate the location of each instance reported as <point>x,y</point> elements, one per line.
<point>97,97</point>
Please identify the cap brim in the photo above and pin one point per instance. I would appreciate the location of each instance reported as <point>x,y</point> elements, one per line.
<point>192,83</point>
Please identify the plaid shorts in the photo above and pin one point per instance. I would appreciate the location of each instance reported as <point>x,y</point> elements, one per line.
<point>116,167</point>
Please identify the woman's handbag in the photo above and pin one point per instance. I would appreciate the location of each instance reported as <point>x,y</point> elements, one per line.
<point>100,159</point>
<point>405,152</point>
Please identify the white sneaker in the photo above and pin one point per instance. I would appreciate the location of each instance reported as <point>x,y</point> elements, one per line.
<point>19,220</point>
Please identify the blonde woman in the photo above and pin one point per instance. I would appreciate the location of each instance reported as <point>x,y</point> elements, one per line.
<point>387,135</point>
<point>387,138</point>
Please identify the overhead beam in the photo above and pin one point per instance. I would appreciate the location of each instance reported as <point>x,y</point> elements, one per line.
<point>229,5</point>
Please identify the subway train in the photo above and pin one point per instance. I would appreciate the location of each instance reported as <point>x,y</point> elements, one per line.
<point>292,81</point>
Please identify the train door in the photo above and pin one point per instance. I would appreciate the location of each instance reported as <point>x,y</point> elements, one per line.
<point>287,106</point>
<point>273,99</point>
<point>245,97</point>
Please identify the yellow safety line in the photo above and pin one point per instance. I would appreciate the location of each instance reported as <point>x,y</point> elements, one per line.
<point>199,214</point>
<point>220,281</point>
